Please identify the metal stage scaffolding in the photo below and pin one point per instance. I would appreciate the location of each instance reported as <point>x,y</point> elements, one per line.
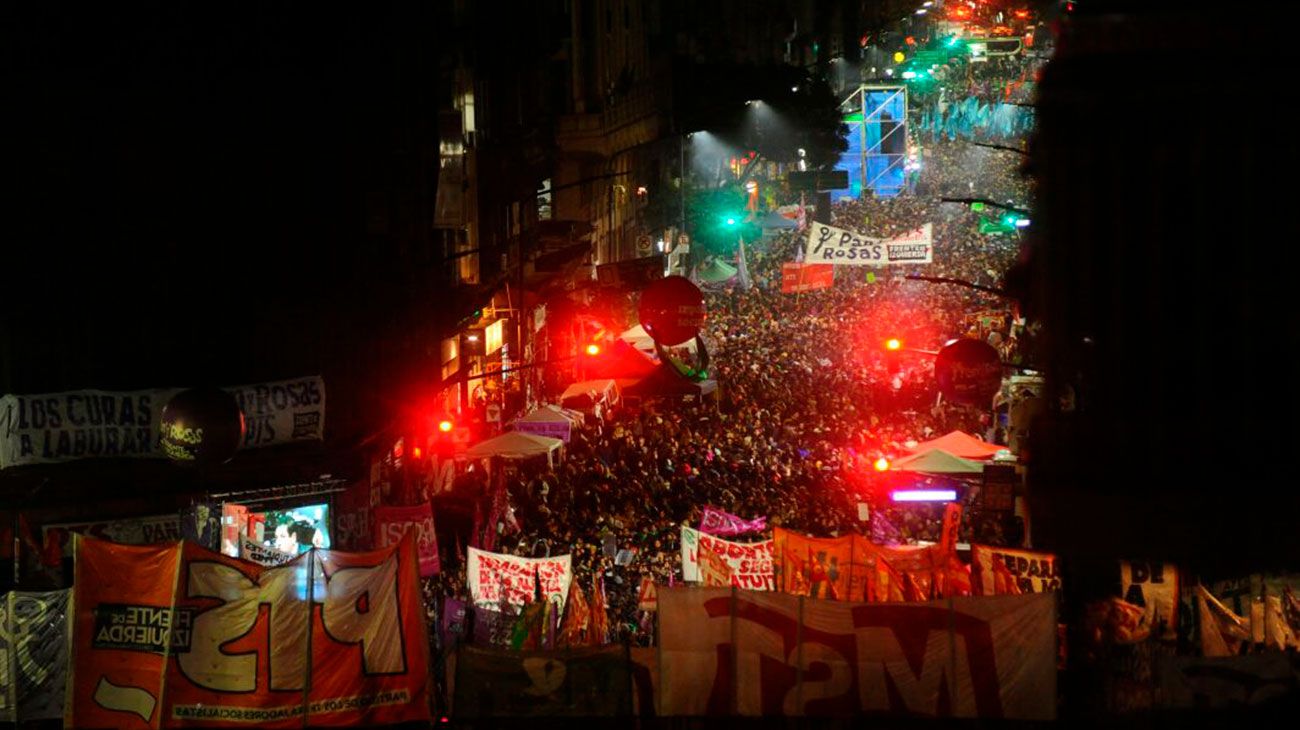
<point>876,116</point>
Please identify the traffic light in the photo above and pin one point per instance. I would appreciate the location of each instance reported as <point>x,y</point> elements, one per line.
<point>730,221</point>
<point>893,344</point>
<point>445,425</point>
<point>1014,220</point>
<point>1007,224</point>
<point>592,349</point>
<point>881,464</point>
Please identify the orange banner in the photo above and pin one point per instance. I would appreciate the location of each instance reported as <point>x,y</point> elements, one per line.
<point>998,571</point>
<point>820,567</point>
<point>180,636</point>
<point>121,627</point>
<point>849,568</point>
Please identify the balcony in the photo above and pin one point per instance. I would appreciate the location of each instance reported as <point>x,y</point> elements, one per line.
<point>633,120</point>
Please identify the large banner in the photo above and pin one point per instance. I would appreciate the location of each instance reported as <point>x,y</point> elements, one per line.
<point>831,245</point>
<point>391,523</point>
<point>129,531</point>
<point>727,651</point>
<point>495,578</point>
<point>1154,587</point>
<point>282,412</point>
<point>715,561</point>
<point>53,427</point>
<point>586,682</point>
<point>797,277</point>
<point>1032,572</point>
<point>171,636</point>
<point>852,568</point>
<point>33,655</point>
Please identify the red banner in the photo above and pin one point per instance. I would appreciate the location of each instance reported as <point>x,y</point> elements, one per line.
<point>172,636</point>
<point>391,523</point>
<point>806,277</point>
<point>727,651</point>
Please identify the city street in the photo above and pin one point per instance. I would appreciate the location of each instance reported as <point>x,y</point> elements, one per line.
<point>605,362</point>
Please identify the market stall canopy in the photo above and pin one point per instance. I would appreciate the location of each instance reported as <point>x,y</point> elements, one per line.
<point>588,393</point>
<point>640,339</point>
<point>664,382</point>
<point>938,461</point>
<point>551,421</point>
<point>623,360</point>
<point>960,444</point>
<point>515,445</point>
<point>715,271</point>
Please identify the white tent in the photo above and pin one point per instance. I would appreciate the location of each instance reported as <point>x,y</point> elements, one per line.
<point>638,338</point>
<point>515,445</point>
<point>550,420</point>
<point>590,393</point>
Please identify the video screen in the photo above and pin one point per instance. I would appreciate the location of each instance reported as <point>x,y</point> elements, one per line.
<point>289,531</point>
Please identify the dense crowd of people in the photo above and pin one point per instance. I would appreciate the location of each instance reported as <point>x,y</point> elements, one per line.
<point>808,400</point>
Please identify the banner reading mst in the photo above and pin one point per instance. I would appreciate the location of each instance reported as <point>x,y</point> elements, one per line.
<point>728,651</point>
<point>170,636</point>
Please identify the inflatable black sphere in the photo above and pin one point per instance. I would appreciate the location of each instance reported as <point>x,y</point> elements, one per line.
<point>201,426</point>
<point>968,371</point>
<point>672,310</point>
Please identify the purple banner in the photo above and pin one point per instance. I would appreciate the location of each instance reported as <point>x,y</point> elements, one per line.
<point>717,522</point>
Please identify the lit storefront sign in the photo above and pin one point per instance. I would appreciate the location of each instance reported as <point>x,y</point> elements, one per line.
<point>493,336</point>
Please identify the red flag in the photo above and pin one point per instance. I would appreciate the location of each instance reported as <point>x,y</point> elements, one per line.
<point>912,590</point>
<point>951,525</point>
<point>954,580</point>
<point>599,616</point>
<point>577,617</point>
<point>889,584</point>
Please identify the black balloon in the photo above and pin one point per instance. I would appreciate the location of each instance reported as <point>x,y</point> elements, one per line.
<point>202,426</point>
<point>968,371</point>
<point>672,310</point>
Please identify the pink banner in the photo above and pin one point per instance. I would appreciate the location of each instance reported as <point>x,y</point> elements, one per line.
<point>717,522</point>
<point>392,522</point>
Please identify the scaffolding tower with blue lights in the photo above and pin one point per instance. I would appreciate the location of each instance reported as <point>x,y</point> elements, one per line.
<point>876,116</point>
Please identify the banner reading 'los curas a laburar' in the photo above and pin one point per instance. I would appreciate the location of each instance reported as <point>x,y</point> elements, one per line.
<point>53,427</point>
